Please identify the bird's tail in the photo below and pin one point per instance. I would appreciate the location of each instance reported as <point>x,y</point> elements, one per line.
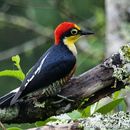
<point>6,99</point>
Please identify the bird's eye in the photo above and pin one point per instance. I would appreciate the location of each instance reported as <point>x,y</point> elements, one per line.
<point>74,31</point>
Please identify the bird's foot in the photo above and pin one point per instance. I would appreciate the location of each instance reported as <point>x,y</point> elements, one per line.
<point>62,99</point>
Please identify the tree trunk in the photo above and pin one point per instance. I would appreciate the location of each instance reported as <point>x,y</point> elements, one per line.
<point>117,18</point>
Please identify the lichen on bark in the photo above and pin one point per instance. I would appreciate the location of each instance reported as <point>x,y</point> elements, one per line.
<point>8,113</point>
<point>116,121</point>
<point>122,73</point>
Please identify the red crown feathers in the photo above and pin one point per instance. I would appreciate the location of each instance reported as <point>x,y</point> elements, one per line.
<point>62,28</point>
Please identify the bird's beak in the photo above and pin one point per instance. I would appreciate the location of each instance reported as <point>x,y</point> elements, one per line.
<point>87,32</point>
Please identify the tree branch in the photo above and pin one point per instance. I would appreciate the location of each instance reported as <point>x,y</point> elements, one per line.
<point>25,23</point>
<point>70,126</point>
<point>91,85</point>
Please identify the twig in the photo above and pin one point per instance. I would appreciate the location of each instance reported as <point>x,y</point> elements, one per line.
<point>2,126</point>
<point>26,23</point>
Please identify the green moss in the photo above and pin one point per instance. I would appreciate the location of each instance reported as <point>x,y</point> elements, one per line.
<point>8,113</point>
<point>122,73</point>
<point>125,52</point>
<point>120,120</point>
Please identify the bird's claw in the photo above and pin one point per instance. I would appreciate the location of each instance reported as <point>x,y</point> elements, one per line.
<point>62,99</point>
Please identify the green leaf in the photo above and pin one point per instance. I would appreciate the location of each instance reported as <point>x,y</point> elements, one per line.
<point>93,108</point>
<point>116,95</point>
<point>42,123</point>
<point>74,115</point>
<point>110,106</point>
<point>16,59</point>
<point>13,73</point>
<point>86,112</point>
<point>14,128</point>
<point>123,106</point>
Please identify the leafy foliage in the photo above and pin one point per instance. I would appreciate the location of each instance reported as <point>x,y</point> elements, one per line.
<point>110,106</point>
<point>86,112</point>
<point>14,128</point>
<point>74,115</point>
<point>42,123</point>
<point>16,60</point>
<point>90,110</point>
<point>14,73</point>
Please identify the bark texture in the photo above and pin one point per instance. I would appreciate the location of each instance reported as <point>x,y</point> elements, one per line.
<point>74,126</point>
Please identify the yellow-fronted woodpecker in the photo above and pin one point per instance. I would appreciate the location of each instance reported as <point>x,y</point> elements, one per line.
<point>55,67</point>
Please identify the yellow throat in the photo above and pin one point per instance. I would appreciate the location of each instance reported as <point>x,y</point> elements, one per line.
<point>69,42</point>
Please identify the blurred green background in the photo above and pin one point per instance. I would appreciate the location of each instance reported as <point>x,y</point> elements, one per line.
<point>26,28</point>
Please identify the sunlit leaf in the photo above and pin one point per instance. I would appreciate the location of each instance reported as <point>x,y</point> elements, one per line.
<point>13,73</point>
<point>110,106</point>
<point>93,108</point>
<point>116,95</point>
<point>42,123</point>
<point>74,115</point>
<point>13,128</point>
<point>16,59</point>
<point>86,112</point>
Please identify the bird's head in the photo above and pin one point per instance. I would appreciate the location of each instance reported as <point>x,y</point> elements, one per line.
<point>68,33</point>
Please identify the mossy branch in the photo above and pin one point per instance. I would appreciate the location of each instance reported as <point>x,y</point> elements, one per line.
<point>91,85</point>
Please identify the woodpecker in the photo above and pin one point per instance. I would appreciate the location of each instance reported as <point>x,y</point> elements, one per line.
<point>54,68</point>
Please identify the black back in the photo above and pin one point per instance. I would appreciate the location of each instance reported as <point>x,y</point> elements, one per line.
<point>58,63</point>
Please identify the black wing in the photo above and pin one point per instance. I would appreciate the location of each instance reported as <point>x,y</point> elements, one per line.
<point>5,100</point>
<point>54,65</point>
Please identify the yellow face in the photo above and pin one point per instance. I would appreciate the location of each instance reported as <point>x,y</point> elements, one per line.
<point>70,40</point>
<point>74,36</point>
